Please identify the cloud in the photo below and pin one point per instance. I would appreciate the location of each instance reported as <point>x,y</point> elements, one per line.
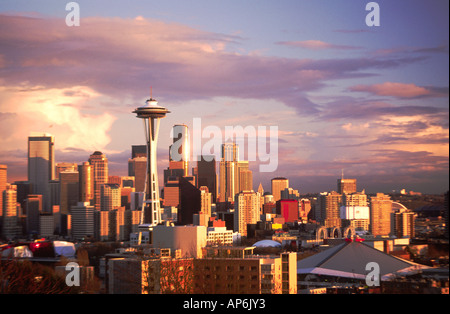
<point>44,109</point>
<point>412,50</point>
<point>75,82</point>
<point>121,58</point>
<point>399,90</point>
<point>363,110</point>
<point>315,45</point>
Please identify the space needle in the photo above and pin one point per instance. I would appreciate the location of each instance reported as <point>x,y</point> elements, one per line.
<point>151,114</point>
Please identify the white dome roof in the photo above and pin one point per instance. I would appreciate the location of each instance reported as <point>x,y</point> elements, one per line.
<point>267,243</point>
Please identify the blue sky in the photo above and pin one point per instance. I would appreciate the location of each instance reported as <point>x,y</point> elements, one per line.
<point>371,100</point>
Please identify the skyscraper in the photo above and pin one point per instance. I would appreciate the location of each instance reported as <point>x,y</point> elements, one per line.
<point>328,209</point>
<point>100,164</point>
<point>290,194</point>
<point>174,171</point>
<point>179,150</point>
<point>288,209</point>
<point>304,209</point>
<point>206,174</point>
<point>355,211</point>
<point>190,200</point>
<point>3,181</point>
<point>82,220</point>
<point>86,182</point>
<point>205,199</point>
<point>109,197</point>
<point>244,177</point>
<point>346,186</point>
<point>230,152</point>
<point>10,227</point>
<point>33,209</point>
<point>278,185</point>
<point>403,223</point>
<point>246,210</point>
<point>380,214</point>
<point>172,192</point>
<point>137,167</point>
<point>64,166</point>
<point>41,164</point>
<point>230,169</point>
<point>138,151</point>
<point>69,190</point>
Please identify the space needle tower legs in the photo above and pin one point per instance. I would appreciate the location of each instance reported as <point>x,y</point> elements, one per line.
<point>151,114</point>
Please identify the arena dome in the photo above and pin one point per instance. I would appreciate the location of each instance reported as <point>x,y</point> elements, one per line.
<point>267,243</point>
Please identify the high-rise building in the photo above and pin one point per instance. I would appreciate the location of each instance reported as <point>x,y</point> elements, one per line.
<point>261,198</point>
<point>23,190</point>
<point>3,181</point>
<point>290,194</point>
<point>346,186</point>
<point>403,224</point>
<point>278,185</point>
<point>41,164</point>
<point>115,180</point>
<point>354,199</point>
<point>172,192</point>
<point>190,200</point>
<point>116,225</point>
<point>64,166</point>
<point>46,224</point>
<point>101,225</point>
<point>206,174</point>
<point>10,228</point>
<point>246,210</point>
<point>137,167</point>
<point>205,200</point>
<point>82,218</point>
<point>110,197</point>
<point>446,205</point>
<point>260,189</point>
<point>138,151</point>
<point>327,210</point>
<point>227,180</point>
<point>245,179</point>
<point>235,175</point>
<point>181,151</point>
<point>380,214</point>
<point>100,164</point>
<point>355,211</point>
<point>289,273</point>
<point>174,171</point>
<point>55,190</point>
<point>230,152</point>
<point>33,209</point>
<point>86,182</point>
<point>69,190</point>
<point>288,209</point>
<point>304,209</point>
<point>126,188</point>
<point>227,169</point>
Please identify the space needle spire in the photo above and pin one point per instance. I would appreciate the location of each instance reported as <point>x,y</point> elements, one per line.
<point>151,114</point>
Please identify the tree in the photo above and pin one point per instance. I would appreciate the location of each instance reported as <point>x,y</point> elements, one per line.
<point>25,277</point>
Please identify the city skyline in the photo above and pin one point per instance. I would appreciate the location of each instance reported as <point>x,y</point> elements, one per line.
<point>370,100</point>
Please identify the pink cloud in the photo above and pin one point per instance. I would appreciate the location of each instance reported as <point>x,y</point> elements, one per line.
<point>315,45</point>
<point>400,90</point>
<point>68,73</point>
